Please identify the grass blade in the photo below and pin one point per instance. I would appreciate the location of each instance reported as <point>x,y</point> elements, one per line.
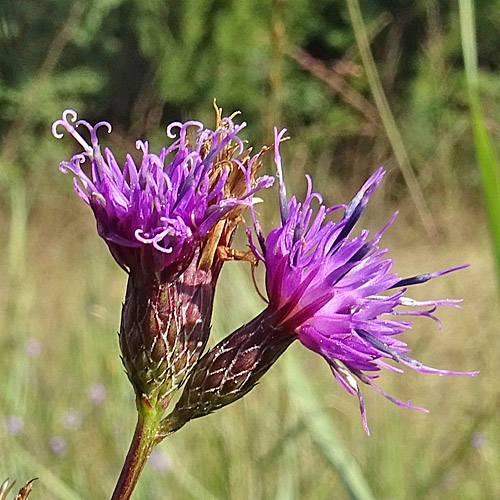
<point>485,152</point>
<point>387,118</point>
<point>323,434</point>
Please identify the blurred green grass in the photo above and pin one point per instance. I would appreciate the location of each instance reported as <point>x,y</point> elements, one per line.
<point>263,446</point>
<point>61,293</point>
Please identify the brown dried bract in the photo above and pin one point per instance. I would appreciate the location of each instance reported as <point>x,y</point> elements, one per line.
<point>23,492</point>
<point>236,187</point>
<point>228,253</point>
<point>26,490</point>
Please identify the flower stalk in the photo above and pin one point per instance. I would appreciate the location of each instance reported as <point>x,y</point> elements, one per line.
<point>143,442</point>
<point>168,222</point>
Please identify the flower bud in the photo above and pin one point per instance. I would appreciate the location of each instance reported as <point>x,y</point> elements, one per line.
<point>231,369</point>
<point>164,328</point>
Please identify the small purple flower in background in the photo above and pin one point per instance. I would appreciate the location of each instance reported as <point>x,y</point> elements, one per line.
<point>14,425</point>
<point>160,461</point>
<point>71,419</point>
<point>333,292</point>
<point>478,440</point>
<point>33,348</point>
<point>97,393</point>
<point>58,446</point>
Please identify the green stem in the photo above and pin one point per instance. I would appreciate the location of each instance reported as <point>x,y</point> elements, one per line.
<point>143,442</point>
<point>170,424</point>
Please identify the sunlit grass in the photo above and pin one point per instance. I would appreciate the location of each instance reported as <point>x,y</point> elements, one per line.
<point>265,446</point>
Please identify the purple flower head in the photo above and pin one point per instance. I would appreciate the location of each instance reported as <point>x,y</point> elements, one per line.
<point>337,291</point>
<point>156,215</point>
<point>59,446</point>
<point>14,425</point>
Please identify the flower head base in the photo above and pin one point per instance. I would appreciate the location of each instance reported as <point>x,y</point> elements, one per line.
<point>230,369</point>
<point>156,215</point>
<point>328,288</point>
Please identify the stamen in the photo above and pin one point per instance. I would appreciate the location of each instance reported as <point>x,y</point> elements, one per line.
<point>182,128</point>
<point>381,346</point>
<point>408,301</point>
<point>422,278</point>
<point>65,122</point>
<point>142,146</point>
<point>93,131</point>
<point>345,373</point>
<point>283,201</point>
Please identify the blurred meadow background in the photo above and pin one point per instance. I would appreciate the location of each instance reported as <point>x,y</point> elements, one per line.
<point>407,85</point>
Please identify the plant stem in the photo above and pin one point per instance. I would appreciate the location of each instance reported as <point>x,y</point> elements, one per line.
<point>143,442</point>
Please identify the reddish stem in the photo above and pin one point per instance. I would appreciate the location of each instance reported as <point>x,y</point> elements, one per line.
<point>142,444</point>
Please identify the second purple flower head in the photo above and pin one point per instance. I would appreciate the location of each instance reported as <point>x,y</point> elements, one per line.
<point>334,292</point>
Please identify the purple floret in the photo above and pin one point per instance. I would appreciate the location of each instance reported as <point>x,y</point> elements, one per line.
<point>328,287</point>
<point>156,215</point>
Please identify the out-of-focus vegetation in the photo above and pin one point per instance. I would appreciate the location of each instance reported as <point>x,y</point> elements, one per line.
<point>66,408</point>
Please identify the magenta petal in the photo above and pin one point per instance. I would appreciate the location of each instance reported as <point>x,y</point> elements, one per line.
<point>162,210</point>
<point>334,289</point>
